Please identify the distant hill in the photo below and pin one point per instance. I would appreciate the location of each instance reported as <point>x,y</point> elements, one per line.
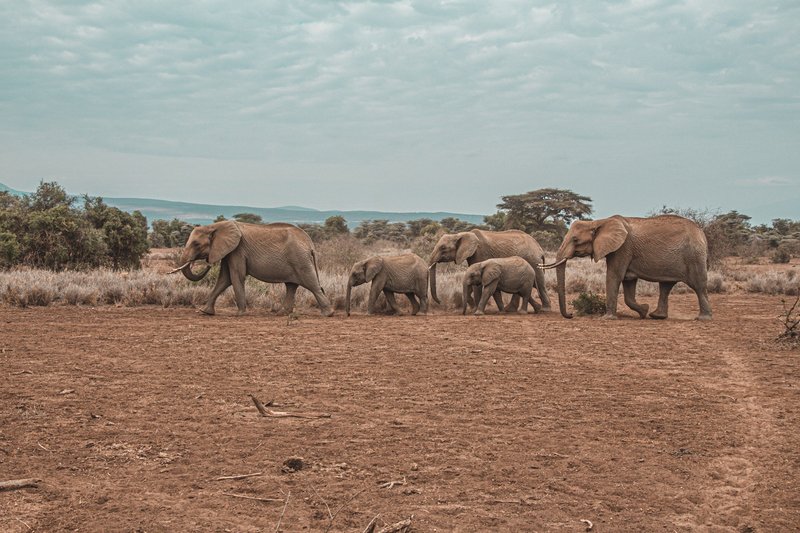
<point>205,213</point>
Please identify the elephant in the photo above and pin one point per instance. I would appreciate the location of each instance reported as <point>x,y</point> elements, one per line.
<point>666,249</point>
<point>479,245</point>
<point>275,253</point>
<point>506,274</point>
<point>406,273</point>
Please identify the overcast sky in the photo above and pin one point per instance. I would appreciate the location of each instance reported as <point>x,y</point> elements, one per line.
<point>411,105</point>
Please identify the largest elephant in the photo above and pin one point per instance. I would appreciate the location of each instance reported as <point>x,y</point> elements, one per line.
<point>666,249</point>
<point>275,253</point>
<point>479,245</point>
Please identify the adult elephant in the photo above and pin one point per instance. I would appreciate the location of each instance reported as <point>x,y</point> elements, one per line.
<point>479,245</point>
<point>666,249</point>
<point>275,253</point>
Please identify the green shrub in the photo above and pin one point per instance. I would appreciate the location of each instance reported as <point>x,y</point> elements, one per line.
<point>589,303</point>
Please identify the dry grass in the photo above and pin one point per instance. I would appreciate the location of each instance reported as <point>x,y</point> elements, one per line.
<point>24,288</point>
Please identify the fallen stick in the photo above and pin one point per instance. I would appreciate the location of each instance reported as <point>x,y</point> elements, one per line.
<point>259,405</point>
<point>588,523</point>
<point>350,499</point>
<point>391,484</point>
<point>282,414</point>
<point>280,518</point>
<point>21,372</point>
<point>371,526</point>
<point>398,527</point>
<point>240,476</point>
<point>15,484</point>
<point>246,497</point>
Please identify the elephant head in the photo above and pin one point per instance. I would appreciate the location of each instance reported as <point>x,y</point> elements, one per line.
<point>362,272</point>
<point>597,238</point>
<point>457,247</point>
<point>210,243</point>
<point>483,274</point>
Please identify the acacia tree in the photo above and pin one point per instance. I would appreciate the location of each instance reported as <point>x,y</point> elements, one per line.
<point>542,210</point>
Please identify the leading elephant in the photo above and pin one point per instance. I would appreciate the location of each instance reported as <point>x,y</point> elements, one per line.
<point>479,245</point>
<point>665,249</point>
<point>275,253</point>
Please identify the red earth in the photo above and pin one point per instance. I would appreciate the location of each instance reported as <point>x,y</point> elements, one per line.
<point>494,423</point>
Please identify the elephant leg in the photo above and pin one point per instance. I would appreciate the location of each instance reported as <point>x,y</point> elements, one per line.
<point>498,300</point>
<point>374,291</point>
<point>238,275</point>
<point>477,294</point>
<point>288,298</point>
<point>512,305</point>
<point>323,303</point>
<point>414,303</point>
<point>537,308</point>
<point>392,302</point>
<point>423,303</point>
<point>523,302</point>
<point>487,292</point>
<point>662,311</point>
<point>540,286</point>
<point>629,288</point>
<point>698,284</point>
<point>612,293</point>
<point>223,282</point>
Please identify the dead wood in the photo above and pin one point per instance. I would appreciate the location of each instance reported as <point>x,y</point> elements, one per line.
<point>372,524</point>
<point>353,497</point>
<point>15,484</point>
<point>399,527</point>
<point>391,484</point>
<point>280,518</point>
<point>246,497</point>
<point>588,523</point>
<point>239,476</point>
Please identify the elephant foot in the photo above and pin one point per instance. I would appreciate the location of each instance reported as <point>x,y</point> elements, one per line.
<point>207,311</point>
<point>478,312</point>
<point>658,314</point>
<point>546,309</point>
<point>327,312</point>
<point>704,317</point>
<point>643,310</point>
<point>241,312</point>
<point>608,316</point>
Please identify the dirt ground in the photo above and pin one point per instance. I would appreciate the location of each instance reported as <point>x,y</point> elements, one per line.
<point>494,423</point>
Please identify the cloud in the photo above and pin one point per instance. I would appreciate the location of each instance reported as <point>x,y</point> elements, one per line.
<point>766,181</point>
<point>556,94</point>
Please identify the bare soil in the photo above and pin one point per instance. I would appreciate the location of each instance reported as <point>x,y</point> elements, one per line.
<point>494,423</point>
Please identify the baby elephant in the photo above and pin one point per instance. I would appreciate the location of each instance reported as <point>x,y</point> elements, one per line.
<point>513,275</point>
<point>407,274</point>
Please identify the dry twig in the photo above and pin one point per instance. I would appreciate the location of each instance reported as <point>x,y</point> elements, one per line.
<point>15,484</point>
<point>240,476</point>
<point>588,523</point>
<point>353,497</point>
<point>391,484</point>
<point>21,372</point>
<point>399,527</point>
<point>372,524</point>
<point>280,518</point>
<point>246,497</point>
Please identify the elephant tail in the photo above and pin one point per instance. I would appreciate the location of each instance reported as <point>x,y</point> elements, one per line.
<point>316,271</point>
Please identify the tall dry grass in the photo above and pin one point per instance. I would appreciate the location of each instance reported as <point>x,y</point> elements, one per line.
<point>24,288</point>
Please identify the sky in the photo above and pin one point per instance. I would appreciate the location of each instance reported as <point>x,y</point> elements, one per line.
<point>408,105</point>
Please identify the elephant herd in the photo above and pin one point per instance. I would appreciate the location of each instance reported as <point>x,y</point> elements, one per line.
<point>665,249</point>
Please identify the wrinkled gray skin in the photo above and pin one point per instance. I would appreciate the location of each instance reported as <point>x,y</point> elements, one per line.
<point>275,253</point>
<point>509,274</point>
<point>406,274</point>
<point>665,249</point>
<point>479,245</point>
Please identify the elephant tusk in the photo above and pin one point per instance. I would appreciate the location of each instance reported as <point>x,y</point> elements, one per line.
<point>187,263</point>
<point>552,265</point>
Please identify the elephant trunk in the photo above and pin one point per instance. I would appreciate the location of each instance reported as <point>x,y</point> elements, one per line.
<point>347,298</point>
<point>562,298</point>
<point>186,270</point>
<point>432,270</point>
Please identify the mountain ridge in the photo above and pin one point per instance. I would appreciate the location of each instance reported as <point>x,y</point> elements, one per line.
<point>198,213</point>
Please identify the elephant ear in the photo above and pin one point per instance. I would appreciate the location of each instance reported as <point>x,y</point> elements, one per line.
<point>466,246</point>
<point>609,235</point>
<point>491,272</point>
<point>372,267</point>
<point>225,237</point>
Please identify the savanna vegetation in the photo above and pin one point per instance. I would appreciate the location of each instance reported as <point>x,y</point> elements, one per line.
<point>57,249</point>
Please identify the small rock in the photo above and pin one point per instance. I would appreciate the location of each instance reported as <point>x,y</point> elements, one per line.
<point>292,464</point>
